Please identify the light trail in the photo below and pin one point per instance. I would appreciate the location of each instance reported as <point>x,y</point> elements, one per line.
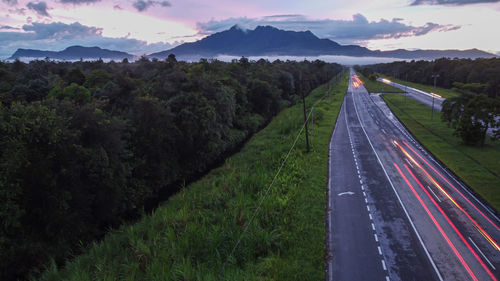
<point>478,227</point>
<point>456,189</point>
<point>438,226</point>
<point>452,225</point>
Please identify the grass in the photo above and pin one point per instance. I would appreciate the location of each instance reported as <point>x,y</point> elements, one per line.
<point>445,93</point>
<point>191,235</point>
<point>376,86</point>
<point>479,167</point>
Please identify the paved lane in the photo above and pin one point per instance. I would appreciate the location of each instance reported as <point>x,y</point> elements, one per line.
<point>404,217</point>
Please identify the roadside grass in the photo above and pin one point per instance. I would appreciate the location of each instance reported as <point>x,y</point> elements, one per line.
<point>445,93</point>
<point>479,167</point>
<point>191,235</point>
<point>376,86</point>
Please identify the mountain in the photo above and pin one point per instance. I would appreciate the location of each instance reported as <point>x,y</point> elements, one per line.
<point>268,41</point>
<point>72,53</point>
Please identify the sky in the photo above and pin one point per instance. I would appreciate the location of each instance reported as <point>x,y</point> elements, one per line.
<point>146,26</point>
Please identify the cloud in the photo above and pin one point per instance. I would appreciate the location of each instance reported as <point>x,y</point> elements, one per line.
<point>142,5</point>
<point>58,36</point>
<point>79,2</point>
<point>10,2</point>
<point>40,8</point>
<point>356,30</point>
<point>117,7</point>
<point>8,27</point>
<point>451,2</point>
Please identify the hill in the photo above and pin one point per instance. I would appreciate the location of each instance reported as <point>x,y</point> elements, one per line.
<point>268,41</point>
<point>72,53</point>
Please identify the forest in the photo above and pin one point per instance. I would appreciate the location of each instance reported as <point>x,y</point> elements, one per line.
<point>87,146</point>
<point>477,107</point>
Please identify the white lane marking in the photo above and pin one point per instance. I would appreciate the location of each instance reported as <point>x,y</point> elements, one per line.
<point>368,208</point>
<point>387,278</point>
<point>383,131</point>
<point>376,122</point>
<point>481,252</point>
<point>383,265</point>
<point>346,193</point>
<point>379,250</point>
<point>366,200</point>
<point>434,193</point>
<point>394,189</point>
<point>364,194</point>
<point>376,237</point>
<point>408,161</point>
<point>373,226</point>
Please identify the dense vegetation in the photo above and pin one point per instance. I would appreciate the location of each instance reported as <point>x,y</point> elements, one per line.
<point>191,236</point>
<point>86,145</point>
<point>475,109</point>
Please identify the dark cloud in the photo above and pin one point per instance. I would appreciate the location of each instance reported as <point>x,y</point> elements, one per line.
<point>57,36</point>
<point>61,31</point>
<point>117,7</point>
<point>10,2</point>
<point>356,30</point>
<point>79,2</point>
<point>142,5</point>
<point>40,8</point>
<point>19,11</point>
<point>451,2</point>
<point>8,27</point>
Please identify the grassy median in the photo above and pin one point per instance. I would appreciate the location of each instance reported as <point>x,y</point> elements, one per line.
<point>445,93</point>
<point>191,236</point>
<point>479,167</point>
<point>376,86</point>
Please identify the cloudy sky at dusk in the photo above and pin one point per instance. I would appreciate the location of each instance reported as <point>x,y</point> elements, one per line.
<point>145,26</point>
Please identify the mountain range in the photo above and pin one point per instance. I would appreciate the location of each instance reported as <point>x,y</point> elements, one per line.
<point>262,41</point>
<point>72,53</point>
<point>268,41</point>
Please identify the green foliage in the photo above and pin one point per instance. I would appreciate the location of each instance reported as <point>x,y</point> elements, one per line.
<point>75,75</point>
<point>77,94</point>
<point>97,78</point>
<point>471,116</point>
<point>191,236</point>
<point>77,161</point>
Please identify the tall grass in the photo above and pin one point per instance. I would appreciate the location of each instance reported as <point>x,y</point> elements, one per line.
<point>191,236</point>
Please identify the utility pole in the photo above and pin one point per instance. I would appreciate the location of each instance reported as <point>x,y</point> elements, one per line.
<point>304,109</point>
<point>435,76</point>
<point>406,86</point>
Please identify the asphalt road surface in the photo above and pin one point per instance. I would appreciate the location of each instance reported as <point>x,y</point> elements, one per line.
<point>394,213</point>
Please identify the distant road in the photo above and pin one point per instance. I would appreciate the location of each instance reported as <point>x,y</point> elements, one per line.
<point>418,95</point>
<point>394,212</point>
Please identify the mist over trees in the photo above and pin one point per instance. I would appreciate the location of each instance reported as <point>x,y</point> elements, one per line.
<point>86,146</point>
<point>476,109</point>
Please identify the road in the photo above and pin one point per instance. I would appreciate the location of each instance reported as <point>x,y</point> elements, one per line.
<point>418,95</point>
<point>394,213</point>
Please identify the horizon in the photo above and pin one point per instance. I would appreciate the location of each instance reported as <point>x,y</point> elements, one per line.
<point>162,25</point>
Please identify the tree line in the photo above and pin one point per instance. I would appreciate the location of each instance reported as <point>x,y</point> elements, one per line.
<point>86,146</point>
<point>477,107</point>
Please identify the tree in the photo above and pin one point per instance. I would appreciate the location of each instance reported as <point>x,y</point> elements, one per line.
<point>75,75</point>
<point>77,94</point>
<point>97,78</point>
